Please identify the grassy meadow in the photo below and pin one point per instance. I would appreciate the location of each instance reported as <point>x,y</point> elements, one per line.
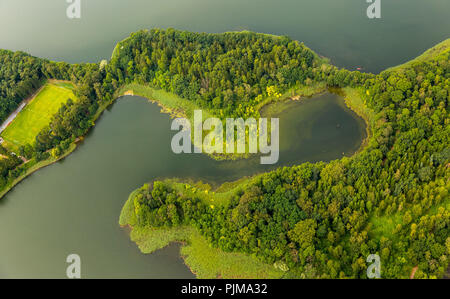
<point>37,114</point>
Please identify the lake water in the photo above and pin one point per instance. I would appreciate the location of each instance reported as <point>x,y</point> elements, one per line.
<point>339,30</point>
<point>74,205</point>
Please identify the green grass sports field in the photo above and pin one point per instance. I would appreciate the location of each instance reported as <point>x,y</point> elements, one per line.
<point>37,114</point>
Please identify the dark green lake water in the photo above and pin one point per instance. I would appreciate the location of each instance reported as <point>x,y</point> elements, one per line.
<point>74,205</point>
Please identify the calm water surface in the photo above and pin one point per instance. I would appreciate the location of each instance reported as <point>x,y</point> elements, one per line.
<point>73,206</point>
<point>339,30</point>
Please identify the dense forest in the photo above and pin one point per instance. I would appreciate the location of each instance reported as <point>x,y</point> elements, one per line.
<point>227,74</point>
<point>317,220</point>
<point>20,76</point>
<point>323,220</point>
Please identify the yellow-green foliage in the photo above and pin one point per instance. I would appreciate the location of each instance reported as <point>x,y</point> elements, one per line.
<point>208,262</point>
<point>127,214</point>
<point>149,240</point>
<point>355,102</point>
<point>211,197</point>
<point>201,258</point>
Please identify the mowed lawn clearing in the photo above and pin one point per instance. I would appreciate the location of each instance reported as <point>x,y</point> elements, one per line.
<point>37,114</point>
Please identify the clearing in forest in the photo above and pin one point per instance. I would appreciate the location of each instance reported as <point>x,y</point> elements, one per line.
<point>37,114</point>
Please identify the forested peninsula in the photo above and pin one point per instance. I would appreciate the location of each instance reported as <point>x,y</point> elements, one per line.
<point>314,220</point>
